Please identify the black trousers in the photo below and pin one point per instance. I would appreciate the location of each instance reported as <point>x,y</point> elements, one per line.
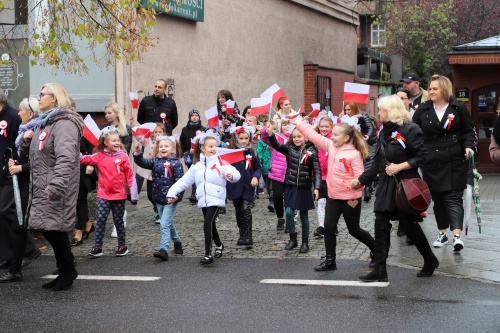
<point>243,211</point>
<point>62,249</point>
<point>333,210</point>
<point>449,209</point>
<point>82,208</point>
<point>210,229</point>
<point>14,242</point>
<point>278,192</point>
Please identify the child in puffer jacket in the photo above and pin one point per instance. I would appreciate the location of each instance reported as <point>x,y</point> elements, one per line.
<point>166,170</point>
<point>210,176</point>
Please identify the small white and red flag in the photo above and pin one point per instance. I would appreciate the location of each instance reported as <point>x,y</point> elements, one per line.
<point>315,110</point>
<point>90,131</point>
<point>275,92</point>
<point>355,92</point>
<point>230,156</point>
<point>229,105</point>
<point>212,117</point>
<point>301,109</point>
<point>134,98</point>
<point>145,130</point>
<point>261,105</point>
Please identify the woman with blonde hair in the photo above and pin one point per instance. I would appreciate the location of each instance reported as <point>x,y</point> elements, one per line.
<point>114,115</point>
<point>450,138</point>
<point>54,160</point>
<point>400,151</point>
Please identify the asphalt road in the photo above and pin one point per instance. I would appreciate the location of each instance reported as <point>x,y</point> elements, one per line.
<point>228,297</point>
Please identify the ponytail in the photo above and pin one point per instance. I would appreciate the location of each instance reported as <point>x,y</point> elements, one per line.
<point>356,138</point>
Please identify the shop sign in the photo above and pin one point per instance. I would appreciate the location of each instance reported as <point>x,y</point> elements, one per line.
<point>186,9</point>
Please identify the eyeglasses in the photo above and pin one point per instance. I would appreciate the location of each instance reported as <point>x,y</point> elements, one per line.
<point>404,98</point>
<point>43,94</point>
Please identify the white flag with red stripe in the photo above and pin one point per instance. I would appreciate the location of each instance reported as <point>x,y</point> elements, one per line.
<point>145,130</point>
<point>275,92</point>
<point>230,156</point>
<point>355,92</point>
<point>229,105</point>
<point>301,109</point>
<point>134,98</point>
<point>260,105</point>
<point>90,131</point>
<point>315,110</point>
<point>212,117</point>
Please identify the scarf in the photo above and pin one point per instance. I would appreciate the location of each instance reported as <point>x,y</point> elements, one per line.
<point>23,128</point>
<point>388,128</point>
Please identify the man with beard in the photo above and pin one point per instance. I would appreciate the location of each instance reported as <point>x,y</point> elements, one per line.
<point>158,108</point>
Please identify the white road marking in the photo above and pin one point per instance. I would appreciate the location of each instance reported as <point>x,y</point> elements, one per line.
<point>110,278</point>
<point>342,283</point>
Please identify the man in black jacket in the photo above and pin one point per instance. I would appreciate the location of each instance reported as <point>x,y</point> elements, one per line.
<point>158,108</point>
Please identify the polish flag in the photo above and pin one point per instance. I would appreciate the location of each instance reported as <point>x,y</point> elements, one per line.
<point>355,92</point>
<point>261,105</point>
<point>294,116</point>
<point>134,98</point>
<point>316,108</point>
<point>90,131</point>
<point>230,156</point>
<point>275,91</point>
<point>301,109</point>
<point>145,130</point>
<point>212,117</point>
<point>229,105</point>
<point>280,138</point>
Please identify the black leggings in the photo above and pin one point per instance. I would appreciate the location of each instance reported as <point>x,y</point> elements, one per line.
<point>82,208</point>
<point>333,210</point>
<point>449,209</point>
<point>209,228</point>
<point>278,191</point>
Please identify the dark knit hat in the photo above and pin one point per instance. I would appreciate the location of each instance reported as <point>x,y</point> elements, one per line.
<point>194,111</point>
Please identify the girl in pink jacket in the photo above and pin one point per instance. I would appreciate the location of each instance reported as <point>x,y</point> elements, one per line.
<point>346,151</point>
<point>114,174</point>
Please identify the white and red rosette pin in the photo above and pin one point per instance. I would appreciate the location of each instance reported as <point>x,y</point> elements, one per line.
<point>449,120</point>
<point>168,169</point>
<point>163,117</point>
<point>397,136</point>
<point>3,128</point>
<point>343,164</point>
<point>43,136</point>
<point>248,164</point>
<point>118,163</point>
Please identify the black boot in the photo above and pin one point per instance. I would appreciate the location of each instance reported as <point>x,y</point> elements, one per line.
<point>379,274</point>
<point>304,248</point>
<point>292,243</point>
<point>327,265</point>
<point>372,260</point>
<point>281,224</point>
<point>422,245</point>
<point>247,221</point>
<point>65,280</point>
<point>178,248</point>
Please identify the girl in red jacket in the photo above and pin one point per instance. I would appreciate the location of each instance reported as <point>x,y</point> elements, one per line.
<point>346,151</point>
<point>114,174</point>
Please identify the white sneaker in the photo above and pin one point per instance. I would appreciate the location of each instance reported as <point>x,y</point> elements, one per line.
<point>458,245</point>
<point>114,234</point>
<point>441,241</point>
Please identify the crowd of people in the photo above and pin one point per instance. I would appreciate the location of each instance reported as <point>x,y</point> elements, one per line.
<point>334,160</point>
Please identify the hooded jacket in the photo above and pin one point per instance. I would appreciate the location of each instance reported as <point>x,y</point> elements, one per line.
<point>209,175</point>
<point>277,168</point>
<point>55,172</point>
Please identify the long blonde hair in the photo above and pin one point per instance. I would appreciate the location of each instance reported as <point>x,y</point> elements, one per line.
<point>122,125</point>
<point>356,138</point>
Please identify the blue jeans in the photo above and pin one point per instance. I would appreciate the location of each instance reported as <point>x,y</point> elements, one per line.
<point>167,227</point>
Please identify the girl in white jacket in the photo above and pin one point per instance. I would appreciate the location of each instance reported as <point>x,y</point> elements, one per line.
<point>210,176</point>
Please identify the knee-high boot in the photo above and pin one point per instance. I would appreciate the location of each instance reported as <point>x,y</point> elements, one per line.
<point>382,244</point>
<point>247,213</point>
<point>416,234</point>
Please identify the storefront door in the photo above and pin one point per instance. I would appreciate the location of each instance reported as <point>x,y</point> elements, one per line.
<point>485,103</point>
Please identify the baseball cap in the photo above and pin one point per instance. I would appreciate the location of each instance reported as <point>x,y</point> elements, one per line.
<point>410,77</point>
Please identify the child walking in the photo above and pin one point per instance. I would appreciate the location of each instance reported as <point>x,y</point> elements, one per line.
<point>264,154</point>
<point>242,191</point>
<point>142,173</point>
<point>277,171</point>
<point>166,170</point>
<point>210,177</point>
<point>346,151</point>
<point>115,173</point>
<point>302,167</point>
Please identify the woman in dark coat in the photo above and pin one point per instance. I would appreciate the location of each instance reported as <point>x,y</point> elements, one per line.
<point>450,137</point>
<point>55,173</point>
<point>399,153</point>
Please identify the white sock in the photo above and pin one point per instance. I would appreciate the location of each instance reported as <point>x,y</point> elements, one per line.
<point>321,212</point>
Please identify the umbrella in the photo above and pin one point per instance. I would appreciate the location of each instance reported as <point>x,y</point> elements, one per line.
<point>476,195</point>
<point>17,194</point>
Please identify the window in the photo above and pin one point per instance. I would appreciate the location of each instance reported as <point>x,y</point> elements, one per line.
<point>378,34</point>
